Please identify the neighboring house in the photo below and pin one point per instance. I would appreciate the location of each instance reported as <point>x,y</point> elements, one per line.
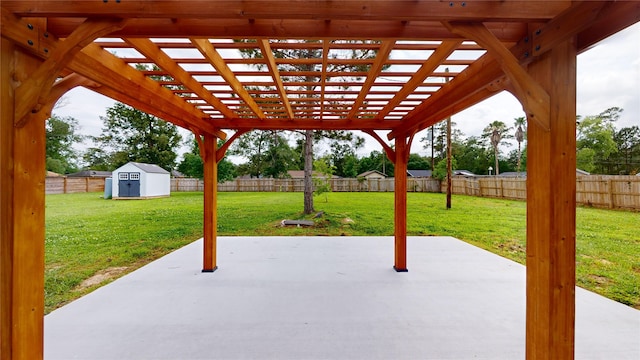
<point>140,181</point>
<point>372,174</point>
<point>419,173</point>
<point>91,173</point>
<point>177,174</point>
<point>523,174</point>
<point>466,173</point>
<point>53,174</point>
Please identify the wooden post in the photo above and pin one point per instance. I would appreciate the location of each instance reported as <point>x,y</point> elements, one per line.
<point>611,193</point>
<point>22,189</point>
<point>449,155</point>
<point>210,204</point>
<point>400,204</point>
<point>551,214</point>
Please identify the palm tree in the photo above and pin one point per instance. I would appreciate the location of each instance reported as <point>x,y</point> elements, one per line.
<point>519,123</point>
<point>496,132</point>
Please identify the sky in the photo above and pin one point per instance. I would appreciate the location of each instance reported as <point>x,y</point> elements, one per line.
<point>608,75</point>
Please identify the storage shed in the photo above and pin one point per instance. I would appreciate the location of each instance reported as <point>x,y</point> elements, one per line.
<point>140,181</point>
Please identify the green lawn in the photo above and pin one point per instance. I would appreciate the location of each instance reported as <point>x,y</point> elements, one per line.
<point>86,235</point>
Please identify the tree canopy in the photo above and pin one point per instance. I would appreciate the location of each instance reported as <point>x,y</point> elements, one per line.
<point>61,135</point>
<point>129,134</point>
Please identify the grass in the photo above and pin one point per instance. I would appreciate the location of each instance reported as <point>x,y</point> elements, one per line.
<point>90,241</point>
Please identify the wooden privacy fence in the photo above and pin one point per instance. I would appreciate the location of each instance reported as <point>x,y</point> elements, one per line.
<point>337,185</point>
<point>605,191</point>
<point>70,185</point>
<point>614,192</point>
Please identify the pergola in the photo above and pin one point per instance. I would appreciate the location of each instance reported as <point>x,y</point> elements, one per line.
<point>528,48</point>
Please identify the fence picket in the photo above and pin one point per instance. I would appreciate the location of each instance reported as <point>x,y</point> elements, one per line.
<point>605,191</point>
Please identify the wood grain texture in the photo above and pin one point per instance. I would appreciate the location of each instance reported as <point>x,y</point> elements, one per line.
<point>400,204</point>
<point>551,201</point>
<point>22,168</point>
<point>210,204</point>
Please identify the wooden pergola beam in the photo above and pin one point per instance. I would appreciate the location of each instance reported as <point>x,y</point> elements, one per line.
<point>323,77</point>
<point>403,10</point>
<point>487,70</point>
<point>440,54</point>
<point>33,92</point>
<point>266,28</point>
<point>209,52</point>
<point>375,70</point>
<point>533,97</point>
<point>267,54</point>
<point>103,68</point>
<point>305,124</point>
<point>147,48</point>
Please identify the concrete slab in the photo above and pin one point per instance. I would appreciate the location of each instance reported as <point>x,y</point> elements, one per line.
<point>324,298</point>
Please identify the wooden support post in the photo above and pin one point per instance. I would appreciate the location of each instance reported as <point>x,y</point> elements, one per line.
<point>551,213</point>
<point>611,198</point>
<point>210,203</point>
<point>22,189</point>
<point>400,195</point>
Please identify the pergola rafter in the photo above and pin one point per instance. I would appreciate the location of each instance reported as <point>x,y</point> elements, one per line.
<point>203,83</point>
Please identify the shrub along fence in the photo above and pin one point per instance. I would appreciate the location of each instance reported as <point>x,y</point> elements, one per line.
<point>605,191</point>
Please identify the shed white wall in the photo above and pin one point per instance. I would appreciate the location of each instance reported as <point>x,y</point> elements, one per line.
<point>155,185</point>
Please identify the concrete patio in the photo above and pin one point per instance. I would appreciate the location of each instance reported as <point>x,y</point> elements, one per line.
<point>324,298</point>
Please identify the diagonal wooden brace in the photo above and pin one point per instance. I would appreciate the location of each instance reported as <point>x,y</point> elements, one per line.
<point>33,93</point>
<point>222,150</point>
<point>535,100</point>
<point>60,88</point>
<point>391,154</point>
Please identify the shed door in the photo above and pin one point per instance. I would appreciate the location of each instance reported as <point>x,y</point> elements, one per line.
<point>129,184</point>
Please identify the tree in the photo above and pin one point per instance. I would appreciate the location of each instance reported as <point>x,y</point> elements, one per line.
<point>376,161</point>
<point>438,143</point>
<point>417,162</point>
<point>323,182</point>
<point>343,157</point>
<point>129,134</point>
<point>519,123</point>
<point>61,135</point>
<point>440,172</point>
<point>311,81</point>
<point>267,152</point>
<point>193,166</point>
<point>496,132</point>
<point>628,155</point>
<point>594,140</point>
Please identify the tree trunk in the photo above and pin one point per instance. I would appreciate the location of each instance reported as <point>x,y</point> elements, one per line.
<point>496,157</point>
<point>308,171</point>
<point>519,159</point>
